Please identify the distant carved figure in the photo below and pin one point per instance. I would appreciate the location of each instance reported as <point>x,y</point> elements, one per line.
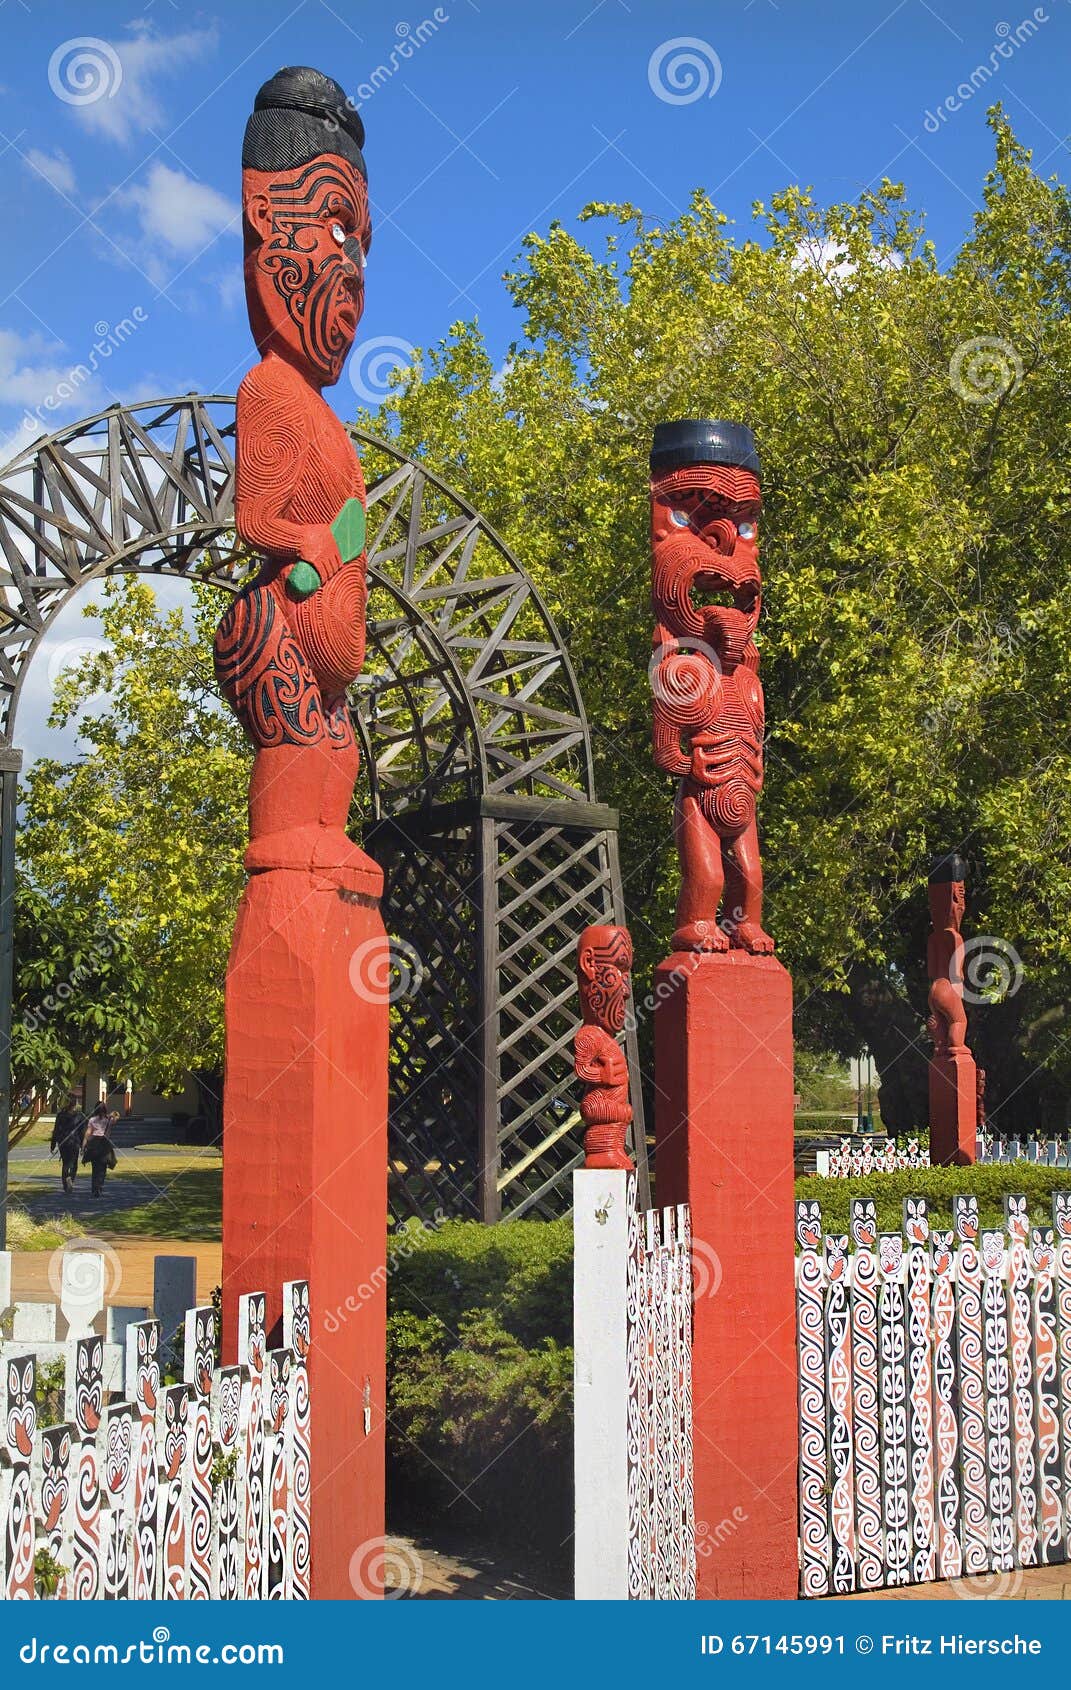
<point>604,963</point>
<point>947,1023</point>
<point>706,593</point>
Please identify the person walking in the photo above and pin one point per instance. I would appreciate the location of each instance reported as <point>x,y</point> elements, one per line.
<point>97,1147</point>
<point>67,1133</point>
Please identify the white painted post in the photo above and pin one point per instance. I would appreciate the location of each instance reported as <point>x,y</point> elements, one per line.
<point>5,1280</point>
<point>600,1379</point>
<point>83,1281</point>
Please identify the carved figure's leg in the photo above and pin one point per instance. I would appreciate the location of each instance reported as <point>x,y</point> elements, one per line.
<point>743,893</point>
<point>949,1012</point>
<point>702,877</point>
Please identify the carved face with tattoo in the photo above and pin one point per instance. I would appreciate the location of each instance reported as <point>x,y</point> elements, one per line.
<point>306,222</point>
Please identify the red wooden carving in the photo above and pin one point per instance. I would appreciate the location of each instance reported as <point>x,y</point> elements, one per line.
<point>954,1089</point>
<point>604,962</point>
<point>706,593</point>
<point>293,641</point>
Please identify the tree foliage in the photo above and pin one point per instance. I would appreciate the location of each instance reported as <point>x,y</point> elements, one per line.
<point>140,836</point>
<point>912,416</point>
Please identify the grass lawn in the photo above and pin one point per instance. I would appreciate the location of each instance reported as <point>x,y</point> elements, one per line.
<point>190,1208</point>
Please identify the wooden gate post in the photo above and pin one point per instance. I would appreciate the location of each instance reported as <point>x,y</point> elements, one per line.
<point>600,1382</point>
<point>724,1145</point>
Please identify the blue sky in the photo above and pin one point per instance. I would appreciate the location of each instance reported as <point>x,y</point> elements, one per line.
<point>505,116</point>
<point>120,163</point>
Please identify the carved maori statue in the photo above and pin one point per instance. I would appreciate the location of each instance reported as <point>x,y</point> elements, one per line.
<point>604,962</point>
<point>293,641</point>
<point>706,593</point>
<point>947,1023</point>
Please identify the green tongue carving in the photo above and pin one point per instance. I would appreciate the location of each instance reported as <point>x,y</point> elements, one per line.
<point>349,531</point>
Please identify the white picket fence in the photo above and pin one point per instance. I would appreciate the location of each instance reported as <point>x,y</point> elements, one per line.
<point>635,1515</point>
<point>194,1490</point>
<point>855,1161</point>
<point>934,1396</point>
<point>1045,1152</point>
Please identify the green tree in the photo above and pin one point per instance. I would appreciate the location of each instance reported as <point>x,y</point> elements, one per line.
<point>142,832</point>
<point>916,642</point>
<point>80,997</point>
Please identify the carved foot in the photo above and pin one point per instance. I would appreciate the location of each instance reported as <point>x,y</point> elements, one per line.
<point>700,936</point>
<point>749,936</point>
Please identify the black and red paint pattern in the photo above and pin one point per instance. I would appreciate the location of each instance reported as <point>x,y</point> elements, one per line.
<point>88,1411</point>
<point>252,1347</point>
<point>146,1338</point>
<point>297,1332</point>
<point>56,1449</point>
<point>267,681</point>
<point>199,1361</point>
<point>322,292</point>
<point>19,1430</point>
<point>279,1364</point>
<point>118,1477</point>
<point>228,1539</point>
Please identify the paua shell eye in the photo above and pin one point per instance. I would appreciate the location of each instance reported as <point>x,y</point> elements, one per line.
<point>746,530</point>
<point>338,233</point>
<point>679,518</point>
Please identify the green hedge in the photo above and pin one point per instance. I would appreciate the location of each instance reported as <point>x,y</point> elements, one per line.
<point>479,1375</point>
<point>988,1183</point>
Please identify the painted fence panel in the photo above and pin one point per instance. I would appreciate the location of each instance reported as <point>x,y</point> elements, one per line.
<point>934,1396</point>
<point>635,1510</point>
<point>188,1491</point>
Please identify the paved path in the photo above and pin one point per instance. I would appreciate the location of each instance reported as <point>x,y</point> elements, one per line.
<point>1037,1584</point>
<point>148,1161</point>
<point>420,1571</point>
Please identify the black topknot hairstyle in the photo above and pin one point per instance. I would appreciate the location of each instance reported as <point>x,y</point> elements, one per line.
<point>297,115</point>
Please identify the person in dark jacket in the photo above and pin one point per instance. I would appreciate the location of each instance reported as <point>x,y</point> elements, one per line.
<point>97,1147</point>
<point>67,1134</point>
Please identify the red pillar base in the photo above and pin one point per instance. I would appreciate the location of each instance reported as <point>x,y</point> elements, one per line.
<point>305,1173</point>
<point>953,1110</point>
<point>724,1108</point>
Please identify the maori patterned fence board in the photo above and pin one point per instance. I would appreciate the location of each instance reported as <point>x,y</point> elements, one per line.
<point>1046,1152</point>
<point>193,1490</point>
<point>855,1161</point>
<point>635,1533</point>
<point>934,1396</point>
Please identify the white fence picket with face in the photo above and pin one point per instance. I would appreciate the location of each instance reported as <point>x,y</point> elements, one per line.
<point>934,1396</point>
<point>635,1510</point>
<point>148,1495</point>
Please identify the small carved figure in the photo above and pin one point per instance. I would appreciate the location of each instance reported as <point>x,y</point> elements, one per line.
<point>706,593</point>
<point>604,962</point>
<point>293,641</point>
<point>947,1023</point>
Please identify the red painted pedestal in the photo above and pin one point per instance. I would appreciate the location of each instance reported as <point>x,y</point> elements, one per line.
<point>305,1173</point>
<point>724,1105</point>
<point>953,1109</point>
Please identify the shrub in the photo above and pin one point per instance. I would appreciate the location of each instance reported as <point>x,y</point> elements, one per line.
<point>479,1374</point>
<point>989,1182</point>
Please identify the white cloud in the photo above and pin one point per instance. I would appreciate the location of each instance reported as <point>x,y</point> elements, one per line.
<point>130,105</point>
<point>173,210</point>
<point>55,167</point>
<point>830,259</point>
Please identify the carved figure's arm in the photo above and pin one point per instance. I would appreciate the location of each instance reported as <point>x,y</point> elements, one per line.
<point>270,463</point>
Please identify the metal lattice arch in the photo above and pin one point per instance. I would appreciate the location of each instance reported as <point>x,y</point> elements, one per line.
<point>476,791</point>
